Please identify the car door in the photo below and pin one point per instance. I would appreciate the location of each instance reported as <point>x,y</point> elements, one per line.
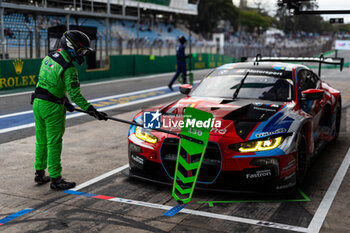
<point>309,80</point>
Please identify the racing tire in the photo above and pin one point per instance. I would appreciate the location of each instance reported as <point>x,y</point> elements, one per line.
<point>337,120</point>
<point>302,159</point>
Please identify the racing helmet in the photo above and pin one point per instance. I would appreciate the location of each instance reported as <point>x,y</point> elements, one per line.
<point>77,44</point>
<point>182,39</point>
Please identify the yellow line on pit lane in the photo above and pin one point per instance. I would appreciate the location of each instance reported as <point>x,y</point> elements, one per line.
<point>124,100</point>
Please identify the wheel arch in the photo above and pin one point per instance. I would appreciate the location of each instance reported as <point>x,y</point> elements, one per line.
<point>307,130</point>
<point>338,98</point>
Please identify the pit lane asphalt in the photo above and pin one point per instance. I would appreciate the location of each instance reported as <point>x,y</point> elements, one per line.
<point>92,148</point>
<point>19,102</point>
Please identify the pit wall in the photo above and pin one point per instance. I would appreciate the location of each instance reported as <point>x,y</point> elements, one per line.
<point>21,73</point>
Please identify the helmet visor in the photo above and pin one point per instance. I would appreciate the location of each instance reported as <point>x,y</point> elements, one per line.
<point>83,51</point>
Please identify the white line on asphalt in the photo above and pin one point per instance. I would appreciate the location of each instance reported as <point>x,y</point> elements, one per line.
<point>101,177</point>
<point>16,114</point>
<point>322,210</point>
<point>134,93</point>
<point>314,226</point>
<point>245,220</point>
<point>106,82</point>
<point>98,83</point>
<point>126,79</point>
<point>187,211</point>
<point>100,109</point>
<point>16,94</point>
<point>17,128</point>
<point>136,78</point>
<point>213,215</point>
<point>102,98</point>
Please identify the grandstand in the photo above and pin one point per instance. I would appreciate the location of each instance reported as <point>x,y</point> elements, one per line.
<point>123,26</point>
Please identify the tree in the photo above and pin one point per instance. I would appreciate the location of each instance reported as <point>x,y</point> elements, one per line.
<point>293,23</point>
<point>344,28</point>
<point>210,12</point>
<point>252,20</point>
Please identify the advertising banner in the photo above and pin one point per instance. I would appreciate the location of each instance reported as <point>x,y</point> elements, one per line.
<point>342,44</point>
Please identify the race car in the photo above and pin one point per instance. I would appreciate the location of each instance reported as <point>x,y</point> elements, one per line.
<point>274,119</point>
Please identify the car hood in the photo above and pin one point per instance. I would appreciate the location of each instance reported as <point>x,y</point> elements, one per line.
<point>238,117</point>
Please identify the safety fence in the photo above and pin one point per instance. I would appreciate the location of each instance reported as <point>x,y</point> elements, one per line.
<point>305,50</point>
<point>20,73</point>
<point>18,41</point>
<point>21,45</point>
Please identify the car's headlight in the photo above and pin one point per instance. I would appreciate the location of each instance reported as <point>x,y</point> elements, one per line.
<point>262,145</point>
<point>142,134</point>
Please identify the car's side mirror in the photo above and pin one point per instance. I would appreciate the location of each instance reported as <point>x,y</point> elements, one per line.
<point>185,89</point>
<point>312,94</point>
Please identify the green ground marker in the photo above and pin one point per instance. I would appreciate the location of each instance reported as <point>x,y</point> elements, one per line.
<point>326,54</point>
<point>194,150</point>
<point>346,64</point>
<point>305,198</point>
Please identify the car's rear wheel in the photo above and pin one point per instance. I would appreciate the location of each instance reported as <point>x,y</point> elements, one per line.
<point>302,158</point>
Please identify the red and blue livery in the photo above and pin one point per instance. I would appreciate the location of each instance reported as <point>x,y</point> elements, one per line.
<point>274,119</point>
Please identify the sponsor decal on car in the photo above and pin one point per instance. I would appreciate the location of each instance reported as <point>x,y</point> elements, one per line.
<point>265,109</point>
<point>289,165</point>
<point>226,66</point>
<point>137,159</point>
<point>265,134</point>
<point>289,176</point>
<point>216,130</point>
<point>265,72</point>
<point>258,174</point>
<point>291,184</point>
<point>278,67</point>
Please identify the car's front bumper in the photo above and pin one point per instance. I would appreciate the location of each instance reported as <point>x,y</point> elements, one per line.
<point>226,181</point>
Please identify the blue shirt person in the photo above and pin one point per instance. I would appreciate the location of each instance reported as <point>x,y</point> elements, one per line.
<point>181,62</point>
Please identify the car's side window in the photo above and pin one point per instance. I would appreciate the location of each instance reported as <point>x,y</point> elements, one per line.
<point>307,80</point>
<point>315,80</point>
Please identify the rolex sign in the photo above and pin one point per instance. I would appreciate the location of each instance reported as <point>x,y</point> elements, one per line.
<point>19,73</point>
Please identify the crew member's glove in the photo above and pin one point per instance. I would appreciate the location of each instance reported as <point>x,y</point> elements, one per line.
<point>69,107</point>
<point>98,115</point>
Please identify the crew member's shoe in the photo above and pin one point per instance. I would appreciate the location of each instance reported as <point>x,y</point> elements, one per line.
<point>40,177</point>
<point>60,184</point>
<point>170,87</point>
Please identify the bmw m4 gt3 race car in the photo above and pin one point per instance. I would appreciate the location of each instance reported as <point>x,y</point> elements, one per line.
<point>274,119</point>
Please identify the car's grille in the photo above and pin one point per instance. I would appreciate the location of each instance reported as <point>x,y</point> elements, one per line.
<point>211,164</point>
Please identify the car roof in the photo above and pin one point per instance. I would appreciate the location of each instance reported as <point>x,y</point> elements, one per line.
<point>272,66</point>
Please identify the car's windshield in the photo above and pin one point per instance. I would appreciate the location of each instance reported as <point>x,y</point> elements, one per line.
<point>255,86</point>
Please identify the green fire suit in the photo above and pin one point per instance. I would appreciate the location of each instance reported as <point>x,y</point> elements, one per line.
<point>50,117</point>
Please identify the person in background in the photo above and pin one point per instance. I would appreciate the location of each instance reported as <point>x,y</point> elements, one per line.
<point>181,62</point>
